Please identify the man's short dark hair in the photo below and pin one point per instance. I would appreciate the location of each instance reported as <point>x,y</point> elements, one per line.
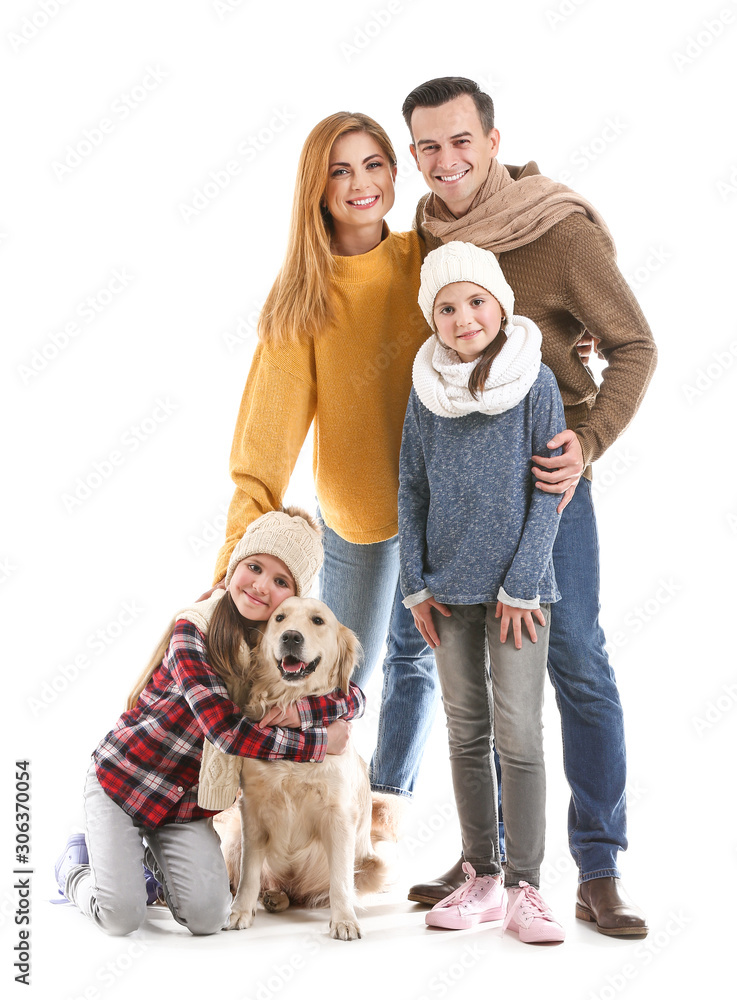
<point>445,88</point>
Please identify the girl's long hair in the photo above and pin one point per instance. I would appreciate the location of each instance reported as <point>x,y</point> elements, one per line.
<point>299,303</point>
<point>480,371</point>
<point>228,629</point>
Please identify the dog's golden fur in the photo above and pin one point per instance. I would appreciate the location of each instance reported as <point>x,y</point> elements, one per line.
<point>304,829</point>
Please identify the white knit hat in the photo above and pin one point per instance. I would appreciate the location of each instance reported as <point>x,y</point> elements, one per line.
<point>289,536</point>
<point>458,261</point>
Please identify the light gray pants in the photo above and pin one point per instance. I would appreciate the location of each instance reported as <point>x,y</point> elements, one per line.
<point>494,692</point>
<point>112,889</point>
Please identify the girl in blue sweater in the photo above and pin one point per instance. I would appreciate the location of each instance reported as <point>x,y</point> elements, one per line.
<point>476,541</point>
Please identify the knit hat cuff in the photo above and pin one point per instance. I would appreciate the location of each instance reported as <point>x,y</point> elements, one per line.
<point>459,261</point>
<point>288,537</point>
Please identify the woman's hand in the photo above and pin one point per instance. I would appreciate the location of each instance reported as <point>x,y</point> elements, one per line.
<point>287,717</point>
<point>562,473</point>
<point>339,733</point>
<point>422,615</point>
<point>516,616</point>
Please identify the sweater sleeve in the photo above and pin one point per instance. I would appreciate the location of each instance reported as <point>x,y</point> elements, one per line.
<point>220,719</point>
<point>597,294</point>
<point>414,502</point>
<point>521,583</point>
<point>276,411</point>
<point>322,710</point>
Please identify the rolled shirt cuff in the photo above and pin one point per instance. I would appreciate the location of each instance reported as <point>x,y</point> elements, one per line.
<point>517,602</point>
<point>418,598</point>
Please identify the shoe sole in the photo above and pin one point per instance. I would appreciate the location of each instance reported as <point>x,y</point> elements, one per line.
<point>415,897</point>
<point>583,913</point>
<point>457,924</point>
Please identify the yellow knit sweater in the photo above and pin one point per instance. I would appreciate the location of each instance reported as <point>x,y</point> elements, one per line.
<point>352,380</point>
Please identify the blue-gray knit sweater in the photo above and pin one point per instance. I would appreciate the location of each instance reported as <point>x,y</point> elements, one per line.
<point>470,519</point>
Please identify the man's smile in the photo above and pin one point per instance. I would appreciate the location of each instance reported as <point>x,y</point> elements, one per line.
<point>450,178</point>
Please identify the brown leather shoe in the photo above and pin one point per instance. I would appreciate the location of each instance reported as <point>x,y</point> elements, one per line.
<point>603,901</point>
<point>432,892</point>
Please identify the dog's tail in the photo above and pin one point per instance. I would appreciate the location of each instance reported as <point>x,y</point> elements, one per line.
<point>371,874</point>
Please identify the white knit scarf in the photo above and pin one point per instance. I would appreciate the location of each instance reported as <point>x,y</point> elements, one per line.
<point>441,379</point>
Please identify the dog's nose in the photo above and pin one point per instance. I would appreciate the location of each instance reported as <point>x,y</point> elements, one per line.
<point>292,638</point>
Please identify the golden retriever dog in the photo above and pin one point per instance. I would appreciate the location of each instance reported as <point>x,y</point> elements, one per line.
<point>305,828</point>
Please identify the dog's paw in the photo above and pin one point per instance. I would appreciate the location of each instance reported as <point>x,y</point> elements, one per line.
<point>241,919</point>
<point>344,930</point>
<point>275,900</point>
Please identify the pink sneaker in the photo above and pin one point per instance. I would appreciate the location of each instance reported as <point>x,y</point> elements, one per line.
<point>480,898</point>
<point>529,915</point>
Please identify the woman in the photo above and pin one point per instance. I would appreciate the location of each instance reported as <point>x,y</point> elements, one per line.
<point>338,334</point>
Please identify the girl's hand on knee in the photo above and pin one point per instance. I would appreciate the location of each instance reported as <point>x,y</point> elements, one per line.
<point>422,614</point>
<point>516,616</point>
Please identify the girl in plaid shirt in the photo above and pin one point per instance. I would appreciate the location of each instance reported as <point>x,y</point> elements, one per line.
<point>141,791</point>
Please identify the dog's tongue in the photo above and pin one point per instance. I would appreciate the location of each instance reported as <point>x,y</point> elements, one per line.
<point>292,665</point>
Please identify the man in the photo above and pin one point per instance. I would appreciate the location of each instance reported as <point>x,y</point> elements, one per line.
<point>558,257</point>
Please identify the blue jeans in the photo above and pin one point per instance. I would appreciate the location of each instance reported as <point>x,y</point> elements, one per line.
<point>360,584</point>
<point>587,697</point>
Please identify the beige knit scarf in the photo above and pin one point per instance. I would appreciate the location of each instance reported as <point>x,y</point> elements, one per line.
<point>507,213</point>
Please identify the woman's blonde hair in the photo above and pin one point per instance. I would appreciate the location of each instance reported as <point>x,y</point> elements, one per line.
<point>299,303</point>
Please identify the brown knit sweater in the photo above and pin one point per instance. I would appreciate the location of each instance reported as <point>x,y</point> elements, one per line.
<point>568,281</point>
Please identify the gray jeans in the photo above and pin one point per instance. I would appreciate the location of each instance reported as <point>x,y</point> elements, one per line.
<point>112,889</point>
<point>494,692</point>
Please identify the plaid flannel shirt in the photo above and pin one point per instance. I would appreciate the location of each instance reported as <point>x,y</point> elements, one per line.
<point>149,763</point>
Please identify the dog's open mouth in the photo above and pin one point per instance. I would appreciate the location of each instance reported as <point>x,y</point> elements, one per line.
<point>293,669</point>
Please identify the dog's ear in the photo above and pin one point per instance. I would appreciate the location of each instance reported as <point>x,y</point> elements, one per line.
<point>349,649</point>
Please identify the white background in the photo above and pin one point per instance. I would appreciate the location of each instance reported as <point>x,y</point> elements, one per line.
<point>631,104</point>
